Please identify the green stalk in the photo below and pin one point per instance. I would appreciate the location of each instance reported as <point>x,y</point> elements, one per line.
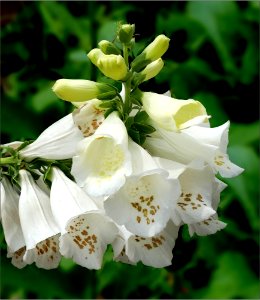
<point>127,84</point>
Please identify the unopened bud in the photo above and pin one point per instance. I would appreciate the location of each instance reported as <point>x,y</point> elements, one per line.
<point>113,66</point>
<point>108,47</point>
<point>79,90</point>
<point>151,53</point>
<point>152,69</point>
<point>126,33</point>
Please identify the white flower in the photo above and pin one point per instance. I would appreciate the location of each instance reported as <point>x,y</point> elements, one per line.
<point>11,223</point>
<point>103,159</point>
<point>88,117</point>
<point>153,251</point>
<point>58,141</point>
<point>39,228</point>
<point>142,204</point>
<point>196,142</point>
<point>212,224</point>
<point>85,230</point>
<point>197,189</point>
<point>173,114</point>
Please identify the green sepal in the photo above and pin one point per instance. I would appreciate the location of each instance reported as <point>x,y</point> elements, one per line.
<point>109,111</point>
<point>107,103</point>
<point>24,144</point>
<point>107,96</point>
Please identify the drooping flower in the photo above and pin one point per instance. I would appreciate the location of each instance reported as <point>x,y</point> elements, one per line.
<point>198,187</point>
<point>11,223</point>
<point>85,230</point>
<point>155,251</point>
<point>58,141</point>
<point>212,224</point>
<point>103,159</point>
<point>40,230</point>
<point>173,114</point>
<point>142,204</point>
<point>195,142</point>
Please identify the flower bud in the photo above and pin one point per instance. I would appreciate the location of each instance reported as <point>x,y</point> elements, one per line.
<point>150,70</point>
<point>126,33</point>
<point>79,90</point>
<point>151,53</point>
<point>108,47</point>
<point>112,66</point>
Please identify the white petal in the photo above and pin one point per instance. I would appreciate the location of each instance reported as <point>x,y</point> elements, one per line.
<point>198,188</point>
<point>46,254</point>
<point>14,145</point>
<point>17,257</point>
<point>35,212</point>
<point>206,227</point>
<point>103,159</point>
<point>225,167</point>
<point>89,117</point>
<point>10,216</point>
<point>87,238</point>
<point>119,246</point>
<point>67,199</point>
<point>58,141</point>
<point>197,142</point>
<point>142,161</point>
<point>142,204</point>
<point>154,251</point>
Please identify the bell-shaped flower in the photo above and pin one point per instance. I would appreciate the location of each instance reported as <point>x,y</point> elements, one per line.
<point>142,204</point>
<point>197,191</point>
<point>212,224</point>
<point>103,159</point>
<point>38,225</point>
<point>173,114</point>
<point>58,141</point>
<point>85,230</point>
<point>111,65</point>
<point>11,223</point>
<point>155,251</point>
<point>79,90</point>
<point>88,117</point>
<point>196,142</point>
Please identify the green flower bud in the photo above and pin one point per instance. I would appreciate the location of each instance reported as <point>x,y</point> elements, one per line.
<point>152,69</point>
<point>151,53</point>
<point>108,47</point>
<point>126,33</point>
<point>112,66</point>
<point>79,90</point>
<point>148,72</point>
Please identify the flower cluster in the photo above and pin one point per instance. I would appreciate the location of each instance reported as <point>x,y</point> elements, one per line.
<point>126,169</point>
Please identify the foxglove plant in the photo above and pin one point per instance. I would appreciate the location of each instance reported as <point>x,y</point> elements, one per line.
<point>126,168</point>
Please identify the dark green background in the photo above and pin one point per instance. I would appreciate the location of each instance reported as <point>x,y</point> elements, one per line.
<point>213,57</point>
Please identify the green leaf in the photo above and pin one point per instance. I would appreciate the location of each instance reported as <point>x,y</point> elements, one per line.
<point>143,128</point>
<point>245,186</point>
<point>141,117</point>
<point>232,279</point>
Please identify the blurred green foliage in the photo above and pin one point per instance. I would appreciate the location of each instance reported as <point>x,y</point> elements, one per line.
<point>213,57</point>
